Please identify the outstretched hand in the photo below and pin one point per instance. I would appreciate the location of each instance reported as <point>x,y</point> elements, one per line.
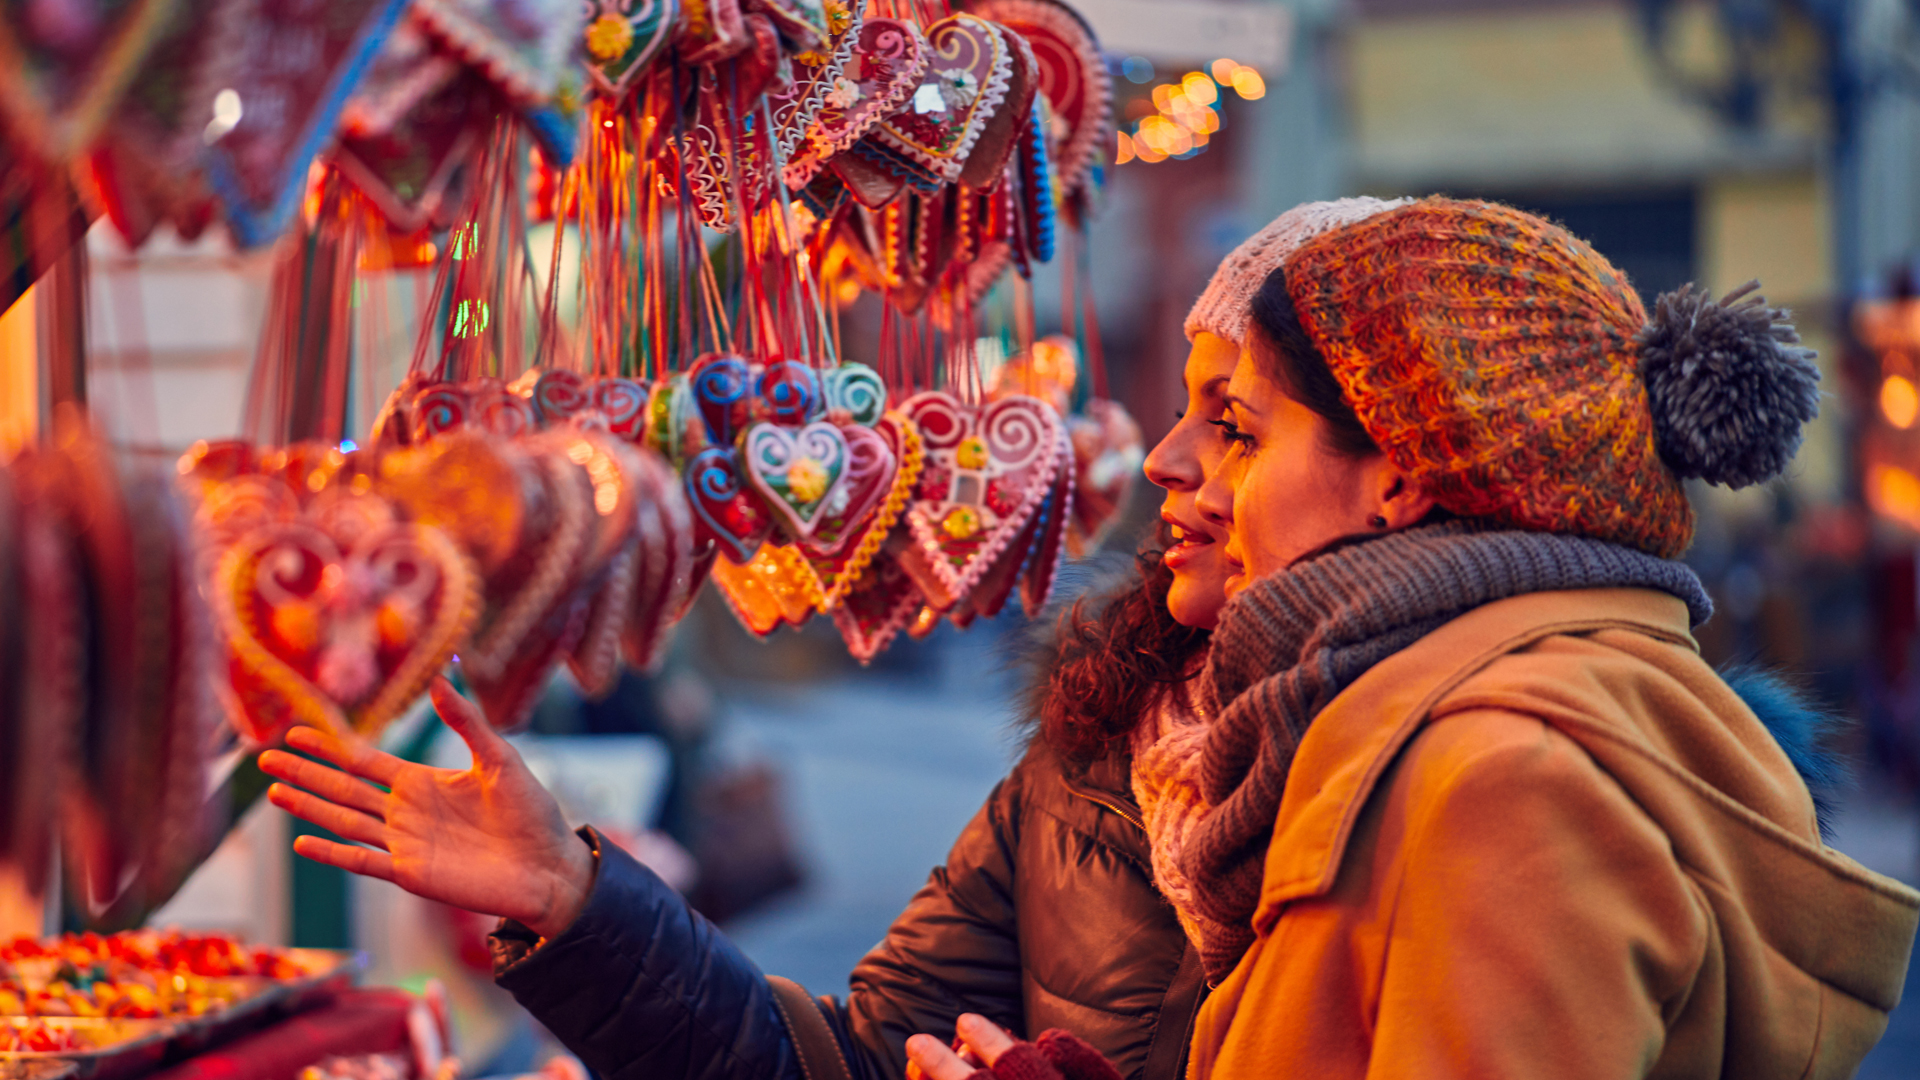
<point>488,839</point>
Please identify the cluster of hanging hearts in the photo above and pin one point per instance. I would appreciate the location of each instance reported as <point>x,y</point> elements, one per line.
<point>106,722</point>
<point>510,538</point>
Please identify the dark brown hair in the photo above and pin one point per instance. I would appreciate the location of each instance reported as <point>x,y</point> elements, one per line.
<point>1289,357</point>
<point>1110,660</point>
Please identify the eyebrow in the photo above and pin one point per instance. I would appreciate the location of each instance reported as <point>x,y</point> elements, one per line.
<point>1241,404</point>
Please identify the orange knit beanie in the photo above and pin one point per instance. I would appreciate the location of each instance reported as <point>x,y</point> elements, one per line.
<point>1508,367</point>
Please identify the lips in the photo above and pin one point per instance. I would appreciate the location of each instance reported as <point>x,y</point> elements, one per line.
<point>1188,544</point>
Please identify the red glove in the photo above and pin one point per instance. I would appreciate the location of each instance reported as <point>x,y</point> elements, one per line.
<point>1056,1055</point>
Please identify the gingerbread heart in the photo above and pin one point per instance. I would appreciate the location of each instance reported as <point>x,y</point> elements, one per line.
<point>523,46</point>
<point>1050,543</point>
<point>886,61</point>
<point>595,659</point>
<point>438,408</point>
<point>854,389</point>
<point>839,569</point>
<point>340,637</point>
<point>670,571</point>
<point>789,391</point>
<point>558,395</point>
<point>409,167</point>
<point>776,587</point>
<point>726,509</point>
<point>969,70</point>
<point>871,468</point>
<point>622,39</point>
<point>502,412</point>
<point>712,31</point>
<point>1009,121</point>
<point>623,403</point>
<point>987,472</point>
<point>797,473</point>
<point>880,604</point>
<point>507,695</point>
<point>803,24</point>
<point>816,74</point>
<point>1073,80</point>
<point>720,385</point>
<point>291,100</point>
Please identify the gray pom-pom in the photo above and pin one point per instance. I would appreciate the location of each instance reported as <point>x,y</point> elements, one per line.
<point>1729,384</point>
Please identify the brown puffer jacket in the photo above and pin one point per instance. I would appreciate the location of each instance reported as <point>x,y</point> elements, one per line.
<point>1045,915</point>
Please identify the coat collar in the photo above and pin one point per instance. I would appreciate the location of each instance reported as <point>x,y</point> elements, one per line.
<point>1353,742</point>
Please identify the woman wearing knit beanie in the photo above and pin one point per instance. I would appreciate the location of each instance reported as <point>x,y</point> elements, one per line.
<point>1474,805</point>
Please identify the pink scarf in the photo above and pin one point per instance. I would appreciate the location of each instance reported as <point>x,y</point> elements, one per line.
<point>1166,784</point>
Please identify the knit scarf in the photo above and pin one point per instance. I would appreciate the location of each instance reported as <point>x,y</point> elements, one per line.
<point>1289,643</point>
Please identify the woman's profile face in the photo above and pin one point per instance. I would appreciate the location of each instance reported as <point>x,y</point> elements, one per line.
<point>1283,491</point>
<point>1181,463</point>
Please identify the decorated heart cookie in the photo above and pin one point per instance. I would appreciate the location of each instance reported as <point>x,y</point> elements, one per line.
<point>1043,562</point>
<point>623,404</point>
<point>986,473</point>
<point>712,31</point>
<point>667,573</point>
<point>290,100</point>
<point>789,392</point>
<point>816,74</point>
<point>839,559</point>
<point>884,67</point>
<point>1009,121</point>
<point>340,637</point>
<point>521,45</point>
<point>1073,80</point>
<point>871,468</point>
<point>622,39</point>
<point>968,72</point>
<point>880,604</point>
<point>776,587</point>
<point>559,394</point>
<point>856,390</point>
<point>725,508</point>
<point>798,474</point>
<point>721,385</point>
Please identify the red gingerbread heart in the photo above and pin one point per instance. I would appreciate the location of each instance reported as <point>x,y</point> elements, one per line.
<point>987,472</point>
<point>886,62</point>
<point>968,75</point>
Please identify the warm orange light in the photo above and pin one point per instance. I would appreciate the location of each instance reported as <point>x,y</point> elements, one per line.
<point>1899,401</point>
<point>1163,97</point>
<point>1895,493</point>
<point>1124,153</point>
<point>1248,84</point>
<point>1147,152</point>
<point>1223,70</point>
<point>1198,88</point>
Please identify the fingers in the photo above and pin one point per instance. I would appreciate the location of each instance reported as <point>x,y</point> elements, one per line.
<point>467,721</point>
<point>984,1038</point>
<point>934,1060</point>
<point>330,784</point>
<point>348,823</point>
<point>357,758</point>
<point>355,860</point>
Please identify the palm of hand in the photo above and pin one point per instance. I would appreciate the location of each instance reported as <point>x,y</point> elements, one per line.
<point>488,839</point>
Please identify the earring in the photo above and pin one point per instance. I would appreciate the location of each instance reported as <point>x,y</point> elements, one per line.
<point>1378,521</point>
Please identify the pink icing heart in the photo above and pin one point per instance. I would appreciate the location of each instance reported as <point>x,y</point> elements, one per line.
<point>797,473</point>
<point>887,60</point>
<point>966,81</point>
<point>871,465</point>
<point>986,473</point>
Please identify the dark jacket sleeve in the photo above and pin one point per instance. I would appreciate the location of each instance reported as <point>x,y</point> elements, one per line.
<point>954,949</point>
<point>642,987</point>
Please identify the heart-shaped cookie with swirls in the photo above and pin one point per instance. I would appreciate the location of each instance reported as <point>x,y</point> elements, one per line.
<point>622,39</point>
<point>885,64</point>
<point>622,403</point>
<point>879,605</point>
<point>987,471</point>
<point>815,75</point>
<point>845,543</point>
<point>797,473</point>
<point>343,636</point>
<point>725,508</point>
<point>969,70</point>
<point>1073,79</point>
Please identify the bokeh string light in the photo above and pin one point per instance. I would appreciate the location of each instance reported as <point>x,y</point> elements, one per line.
<point>1177,118</point>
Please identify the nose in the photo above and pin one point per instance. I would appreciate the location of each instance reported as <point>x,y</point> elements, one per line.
<point>1173,464</point>
<point>1215,499</point>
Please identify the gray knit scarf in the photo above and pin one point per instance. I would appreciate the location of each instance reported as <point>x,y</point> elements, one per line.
<point>1290,642</point>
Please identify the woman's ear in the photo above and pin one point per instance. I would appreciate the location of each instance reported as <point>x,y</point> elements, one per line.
<point>1402,500</point>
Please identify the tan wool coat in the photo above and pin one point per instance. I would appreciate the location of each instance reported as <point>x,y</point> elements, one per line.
<point>1547,840</point>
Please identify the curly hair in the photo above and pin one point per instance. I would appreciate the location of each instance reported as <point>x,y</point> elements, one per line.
<point>1108,663</point>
